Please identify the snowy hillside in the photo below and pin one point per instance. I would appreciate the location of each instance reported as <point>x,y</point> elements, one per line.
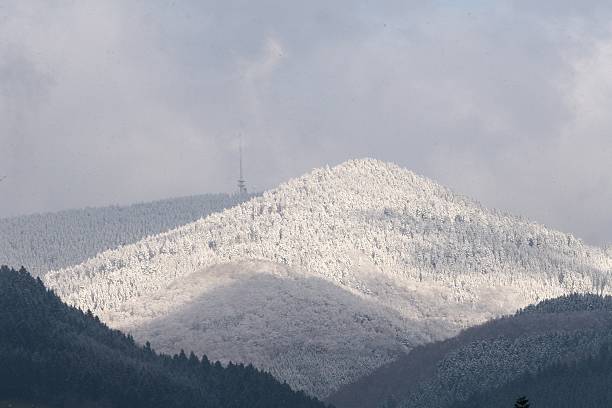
<point>42,242</point>
<point>365,258</point>
<point>482,358</point>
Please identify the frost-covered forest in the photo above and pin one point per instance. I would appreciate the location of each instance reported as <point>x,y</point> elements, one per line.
<point>65,358</point>
<point>294,325</point>
<point>483,365</point>
<point>585,384</point>
<point>567,330</point>
<point>43,242</point>
<point>410,256</point>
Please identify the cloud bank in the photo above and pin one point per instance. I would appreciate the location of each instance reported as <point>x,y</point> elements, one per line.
<point>115,102</point>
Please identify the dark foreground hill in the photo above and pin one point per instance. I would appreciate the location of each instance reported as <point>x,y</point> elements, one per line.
<point>561,343</point>
<point>57,355</point>
<point>585,384</point>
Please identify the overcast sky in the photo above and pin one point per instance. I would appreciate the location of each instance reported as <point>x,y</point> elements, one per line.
<point>120,101</point>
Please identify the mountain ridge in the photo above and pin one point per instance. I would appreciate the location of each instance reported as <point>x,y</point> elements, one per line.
<point>48,241</point>
<point>565,329</point>
<point>59,355</point>
<point>300,185</point>
<point>373,229</point>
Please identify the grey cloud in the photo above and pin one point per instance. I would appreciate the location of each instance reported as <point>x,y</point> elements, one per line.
<point>124,101</point>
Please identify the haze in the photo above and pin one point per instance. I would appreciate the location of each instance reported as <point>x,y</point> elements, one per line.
<point>117,102</point>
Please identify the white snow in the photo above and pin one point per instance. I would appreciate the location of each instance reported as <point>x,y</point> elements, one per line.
<point>43,242</point>
<point>331,274</point>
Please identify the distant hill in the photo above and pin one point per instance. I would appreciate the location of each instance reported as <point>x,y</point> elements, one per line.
<point>481,360</point>
<point>569,383</point>
<point>61,357</point>
<point>331,275</point>
<point>584,384</point>
<point>43,242</point>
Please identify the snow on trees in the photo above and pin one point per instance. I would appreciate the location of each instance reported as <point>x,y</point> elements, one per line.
<point>427,260</point>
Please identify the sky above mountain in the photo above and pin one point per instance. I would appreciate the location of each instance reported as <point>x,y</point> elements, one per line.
<point>115,102</point>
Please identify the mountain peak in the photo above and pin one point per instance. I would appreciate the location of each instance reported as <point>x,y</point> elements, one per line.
<point>370,185</point>
<point>416,259</point>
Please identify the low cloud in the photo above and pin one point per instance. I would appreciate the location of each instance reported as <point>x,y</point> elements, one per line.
<point>117,102</point>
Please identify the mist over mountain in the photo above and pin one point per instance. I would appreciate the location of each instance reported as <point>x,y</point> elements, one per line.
<point>430,225</point>
<point>43,242</point>
<point>331,275</point>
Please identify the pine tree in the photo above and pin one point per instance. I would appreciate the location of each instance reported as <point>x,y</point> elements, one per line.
<point>522,402</point>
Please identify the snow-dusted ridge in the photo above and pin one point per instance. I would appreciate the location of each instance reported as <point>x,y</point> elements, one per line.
<point>44,242</point>
<point>416,259</point>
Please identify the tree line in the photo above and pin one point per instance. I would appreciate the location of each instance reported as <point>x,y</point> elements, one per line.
<point>63,357</point>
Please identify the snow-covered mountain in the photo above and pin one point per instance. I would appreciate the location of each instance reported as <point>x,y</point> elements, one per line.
<point>331,275</point>
<point>482,358</point>
<point>43,242</point>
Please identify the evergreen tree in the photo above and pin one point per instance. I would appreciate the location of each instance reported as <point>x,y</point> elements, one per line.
<point>58,355</point>
<point>522,402</point>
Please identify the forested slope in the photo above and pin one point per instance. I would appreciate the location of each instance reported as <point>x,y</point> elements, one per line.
<point>566,330</point>
<point>57,355</point>
<point>43,242</point>
<point>585,384</point>
<point>402,256</point>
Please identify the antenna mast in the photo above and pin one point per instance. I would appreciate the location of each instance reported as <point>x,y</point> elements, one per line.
<point>241,181</point>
